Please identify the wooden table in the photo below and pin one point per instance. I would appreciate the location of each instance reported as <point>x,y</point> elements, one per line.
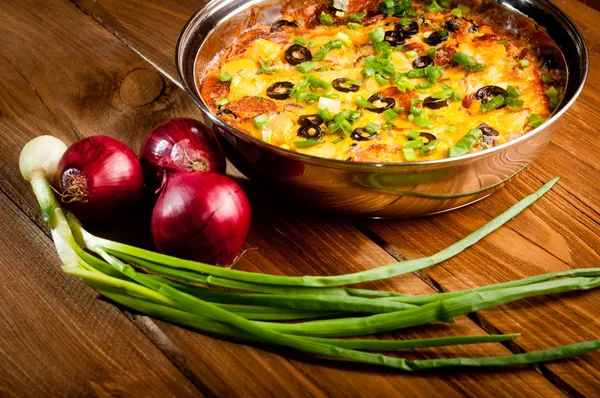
<point>85,67</point>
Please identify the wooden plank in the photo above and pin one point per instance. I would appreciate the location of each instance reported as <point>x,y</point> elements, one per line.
<point>575,138</point>
<point>62,96</point>
<point>58,338</point>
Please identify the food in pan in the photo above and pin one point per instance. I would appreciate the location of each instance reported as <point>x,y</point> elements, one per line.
<point>390,81</point>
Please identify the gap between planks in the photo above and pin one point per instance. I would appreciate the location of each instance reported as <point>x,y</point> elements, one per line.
<point>153,332</point>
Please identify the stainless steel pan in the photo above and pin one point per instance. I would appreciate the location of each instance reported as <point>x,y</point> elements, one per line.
<point>373,189</point>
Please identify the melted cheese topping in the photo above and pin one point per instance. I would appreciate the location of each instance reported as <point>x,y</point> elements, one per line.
<point>497,51</point>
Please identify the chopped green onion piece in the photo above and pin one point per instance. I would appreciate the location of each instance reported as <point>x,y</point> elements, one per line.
<point>513,91</point>
<point>434,7</point>
<point>445,3</point>
<point>413,135</point>
<point>305,66</point>
<point>360,101</point>
<point>433,73</point>
<point>492,104</point>
<point>224,77</point>
<point>457,12</point>
<point>469,63</point>
<point>415,144</point>
<point>260,121</point>
<point>524,63</point>
<point>554,102</point>
<point>344,39</point>
<point>354,25</point>
<point>356,17</point>
<point>325,19</point>
<point>404,85</point>
<point>266,68</point>
<point>502,42</point>
<point>301,41</point>
<point>377,35</point>
<point>415,101</point>
<point>428,148</point>
<point>405,21</point>
<point>411,54</point>
<point>547,79</point>
<point>316,82</point>
<point>221,102</point>
<point>535,120</point>
<point>514,103</point>
<point>325,114</point>
<point>409,154</point>
<point>390,115</point>
<point>424,85</point>
<point>372,128</point>
<point>382,81</point>
<point>451,128</point>
<point>387,126</point>
<point>465,144</point>
<point>464,8</point>
<point>337,140</point>
<point>552,92</point>
<point>432,52</point>
<point>307,143</point>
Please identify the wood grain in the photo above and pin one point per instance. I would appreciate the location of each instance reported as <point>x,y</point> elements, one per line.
<point>58,338</point>
<point>86,99</point>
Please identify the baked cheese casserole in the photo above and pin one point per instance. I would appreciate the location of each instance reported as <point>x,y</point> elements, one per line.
<point>391,81</point>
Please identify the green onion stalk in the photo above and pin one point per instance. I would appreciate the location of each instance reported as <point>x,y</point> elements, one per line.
<point>182,292</point>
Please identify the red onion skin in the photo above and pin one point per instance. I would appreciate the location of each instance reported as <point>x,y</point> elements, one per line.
<point>156,153</point>
<point>108,174</point>
<point>201,216</point>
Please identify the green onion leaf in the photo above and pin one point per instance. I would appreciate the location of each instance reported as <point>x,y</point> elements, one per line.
<point>434,7</point>
<point>432,52</point>
<point>553,103</point>
<point>356,17</point>
<point>465,144</point>
<point>535,120</point>
<point>315,82</point>
<point>266,68</point>
<point>413,135</point>
<point>337,140</point>
<point>547,79</point>
<point>260,121</point>
<point>377,35</point>
<point>372,128</point>
<point>492,104</point>
<point>457,12</point>
<point>552,92</point>
<point>305,67</point>
<point>502,42</point>
<point>514,103</point>
<point>354,25</point>
<point>428,148</point>
<point>325,114</point>
<point>414,144</point>
<point>524,63</point>
<point>360,101</point>
<point>221,102</point>
<point>301,40</point>
<point>307,143</point>
<point>513,91</point>
<point>469,63</point>
<point>390,115</point>
<point>409,154</point>
<point>224,77</point>
<point>404,85</point>
<point>411,54</point>
<point>382,81</point>
<point>325,19</point>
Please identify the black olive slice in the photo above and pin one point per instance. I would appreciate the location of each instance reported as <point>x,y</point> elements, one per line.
<point>282,22</point>
<point>310,132</point>
<point>422,62</point>
<point>394,37</point>
<point>452,24</point>
<point>485,94</point>
<point>310,120</point>
<point>360,134</point>
<point>548,61</point>
<point>280,90</point>
<point>428,136</point>
<point>473,28</point>
<point>296,54</point>
<point>437,37</point>
<point>488,130</point>
<point>408,30</point>
<point>227,112</point>
<point>340,85</point>
<point>435,103</point>
<point>381,103</point>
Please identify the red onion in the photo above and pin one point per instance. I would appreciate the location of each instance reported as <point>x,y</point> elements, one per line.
<point>201,216</point>
<point>180,145</point>
<point>99,177</point>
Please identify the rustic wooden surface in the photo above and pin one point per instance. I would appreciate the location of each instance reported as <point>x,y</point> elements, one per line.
<point>106,67</point>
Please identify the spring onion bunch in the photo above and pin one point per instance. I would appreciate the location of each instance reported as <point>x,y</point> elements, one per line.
<point>189,293</point>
